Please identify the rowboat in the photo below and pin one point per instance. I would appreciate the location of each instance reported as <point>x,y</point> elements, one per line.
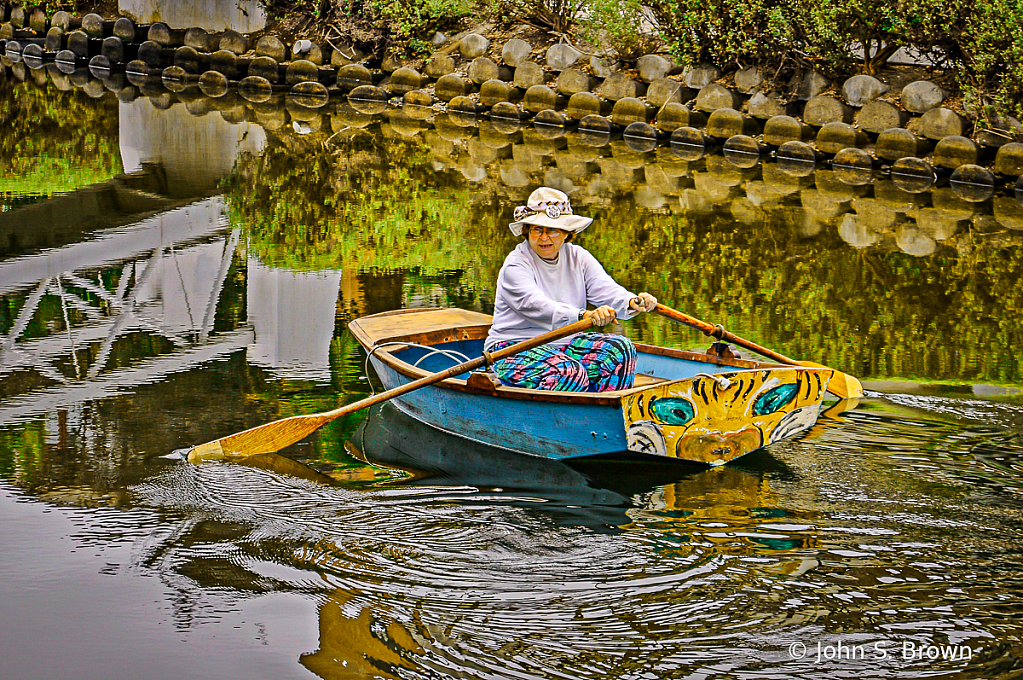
<point>691,406</point>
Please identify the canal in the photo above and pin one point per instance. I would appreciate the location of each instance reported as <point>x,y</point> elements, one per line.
<point>175,268</point>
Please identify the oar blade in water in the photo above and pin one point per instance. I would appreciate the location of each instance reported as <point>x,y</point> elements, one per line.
<point>262,439</point>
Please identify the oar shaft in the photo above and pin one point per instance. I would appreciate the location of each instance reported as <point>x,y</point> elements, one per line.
<point>280,433</point>
<point>721,334</point>
<point>471,365</point>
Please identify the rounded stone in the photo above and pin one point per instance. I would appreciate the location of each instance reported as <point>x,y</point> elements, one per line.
<point>300,71</point>
<point>516,51</point>
<point>55,39</point>
<point>922,96</point>
<point>665,91</point>
<point>862,89</point>
<point>954,151</point>
<point>417,101</point>
<point>912,241</point>
<point>619,86</point>
<point>367,94</point>
<point>748,79</point>
<point>440,65</point>
<point>124,28</point>
<point>235,42</point>
<point>833,137</point>
<point>640,137</point>
<point>201,40</point>
<point>62,20</point>
<point>595,123</point>
<point>94,26</point>
<point>714,96</point>
<point>741,151</point>
<point>255,89</point>
<point>940,122</point>
<point>572,81</point>
<point>1009,160</point>
<point>765,106</point>
<point>796,158</point>
<point>688,143</point>
<point>505,111</point>
<point>877,116</point>
<point>404,80</point>
<point>824,109</point>
<point>271,46</point>
<point>853,166</point>
<point>601,67</point>
<point>724,123</point>
<point>265,67</point>
<point>652,67</point>
<point>213,84</point>
<point>187,58</point>
<point>463,104</point>
<point>781,129</point>
<point>550,118</point>
<point>527,74</point>
<point>310,94</point>
<point>482,69</point>
<point>538,98</point>
<point>447,87</point>
<point>495,91</point>
<point>913,175</point>
<point>583,104</point>
<point>699,76</point>
<point>972,183</point>
<point>896,143</point>
<point>226,62</point>
<point>812,84</point>
<point>562,56</point>
<point>473,45</point>
<point>674,115</point>
<point>630,110</point>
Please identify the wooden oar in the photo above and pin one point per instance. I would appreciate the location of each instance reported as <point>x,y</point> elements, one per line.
<point>842,385</point>
<point>280,433</point>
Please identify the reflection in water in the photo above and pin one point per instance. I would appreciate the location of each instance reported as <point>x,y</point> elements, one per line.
<point>175,315</point>
<point>872,532</point>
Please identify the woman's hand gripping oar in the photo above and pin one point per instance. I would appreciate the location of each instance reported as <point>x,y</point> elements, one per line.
<point>280,433</point>
<point>842,385</point>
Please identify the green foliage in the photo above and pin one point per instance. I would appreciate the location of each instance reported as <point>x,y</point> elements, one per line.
<point>396,207</point>
<point>560,16</point>
<point>404,24</point>
<point>54,142</point>
<point>979,40</point>
<point>613,23</point>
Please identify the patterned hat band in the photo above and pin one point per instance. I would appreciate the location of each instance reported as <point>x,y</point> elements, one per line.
<point>553,210</point>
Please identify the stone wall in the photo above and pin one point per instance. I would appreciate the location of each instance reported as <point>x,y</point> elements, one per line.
<point>882,168</point>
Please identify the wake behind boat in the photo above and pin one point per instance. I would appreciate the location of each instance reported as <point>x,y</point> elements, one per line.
<point>695,407</point>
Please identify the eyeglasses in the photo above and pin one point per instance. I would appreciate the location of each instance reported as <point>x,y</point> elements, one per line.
<point>550,231</point>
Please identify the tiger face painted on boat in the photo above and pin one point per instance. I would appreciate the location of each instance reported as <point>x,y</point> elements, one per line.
<point>715,419</point>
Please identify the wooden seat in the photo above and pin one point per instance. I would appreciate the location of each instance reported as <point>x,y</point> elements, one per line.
<point>644,380</point>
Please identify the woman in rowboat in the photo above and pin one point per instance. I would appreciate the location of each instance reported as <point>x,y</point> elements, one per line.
<point>547,282</point>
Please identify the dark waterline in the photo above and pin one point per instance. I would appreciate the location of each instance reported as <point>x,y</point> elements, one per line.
<point>202,283</point>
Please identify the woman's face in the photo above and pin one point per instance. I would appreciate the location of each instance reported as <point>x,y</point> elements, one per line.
<point>546,241</point>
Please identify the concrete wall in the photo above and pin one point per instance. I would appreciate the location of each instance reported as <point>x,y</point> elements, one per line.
<point>244,16</point>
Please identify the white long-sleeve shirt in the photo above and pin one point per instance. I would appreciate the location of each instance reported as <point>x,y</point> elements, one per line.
<point>535,296</point>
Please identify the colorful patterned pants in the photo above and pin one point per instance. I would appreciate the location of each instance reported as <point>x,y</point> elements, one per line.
<point>592,362</point>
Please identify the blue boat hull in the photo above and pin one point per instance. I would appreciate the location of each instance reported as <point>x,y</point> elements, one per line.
<point>539,428</point>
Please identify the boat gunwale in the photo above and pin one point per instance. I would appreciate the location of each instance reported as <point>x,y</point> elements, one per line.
<point>478,331</point>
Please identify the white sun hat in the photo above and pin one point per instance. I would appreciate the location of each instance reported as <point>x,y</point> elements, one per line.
<point>548,207</point>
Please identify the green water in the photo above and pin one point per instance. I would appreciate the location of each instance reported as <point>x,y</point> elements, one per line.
<point>188,269</point>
